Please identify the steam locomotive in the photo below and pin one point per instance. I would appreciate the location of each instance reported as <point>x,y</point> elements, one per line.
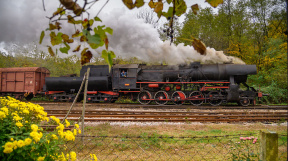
<point>194,83</point>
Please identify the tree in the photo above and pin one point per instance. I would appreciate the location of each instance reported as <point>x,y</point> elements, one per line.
<point>166,33</point>
<point>148,16</point>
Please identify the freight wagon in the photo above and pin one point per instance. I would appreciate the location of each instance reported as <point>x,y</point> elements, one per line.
<point>22,81</point>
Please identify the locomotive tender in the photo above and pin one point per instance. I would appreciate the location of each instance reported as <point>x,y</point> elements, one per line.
<point>195,83</point>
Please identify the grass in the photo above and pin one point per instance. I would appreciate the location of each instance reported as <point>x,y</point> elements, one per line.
<point>175,142</point>
<point>183,129</point>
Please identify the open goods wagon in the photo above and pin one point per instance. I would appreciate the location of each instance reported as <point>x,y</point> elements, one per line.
<point>22,81</point>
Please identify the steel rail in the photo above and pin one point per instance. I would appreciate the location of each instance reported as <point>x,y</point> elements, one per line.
<point>102,112</point>
<point>181,120</point>
<point>172,116</point>
<point>184,106</point>
<point>144,116</point>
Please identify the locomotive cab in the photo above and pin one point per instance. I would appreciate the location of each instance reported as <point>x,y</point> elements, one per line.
<point>124,76</point>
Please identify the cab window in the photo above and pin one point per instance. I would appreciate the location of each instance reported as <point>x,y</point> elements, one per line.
<point>123,73</point>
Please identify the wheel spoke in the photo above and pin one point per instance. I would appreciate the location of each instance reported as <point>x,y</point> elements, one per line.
<point>161,97</point>
<point>214,99</point>
<point>244,101</point>
<point>198,98</point>
<point>144,97</point>
<point>177,97</point>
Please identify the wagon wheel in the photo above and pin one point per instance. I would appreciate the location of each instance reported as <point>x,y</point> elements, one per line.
<point>159,96</point>
<point>142,96</point>
<point>198,98</point>
<point>214,99</point>
<point>29,97</point>
<point>244,101</point>
<point>177,97</point>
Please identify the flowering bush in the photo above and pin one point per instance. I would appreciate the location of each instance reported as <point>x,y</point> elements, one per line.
<point>243,150</point>
<point>22,139</point>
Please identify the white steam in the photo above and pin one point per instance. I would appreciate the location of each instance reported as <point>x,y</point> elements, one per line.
<point>134,38</point>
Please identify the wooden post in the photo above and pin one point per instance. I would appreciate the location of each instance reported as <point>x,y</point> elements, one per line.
<point>84,102</point>
<point>268,146</point>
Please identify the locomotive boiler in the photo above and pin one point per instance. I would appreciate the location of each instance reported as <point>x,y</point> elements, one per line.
<point>194,83</point>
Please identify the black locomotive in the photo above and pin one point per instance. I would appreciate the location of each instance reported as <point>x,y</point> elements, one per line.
<point>195,83</point>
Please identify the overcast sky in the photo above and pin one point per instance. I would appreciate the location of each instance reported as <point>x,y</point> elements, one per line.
<point>23,20</point>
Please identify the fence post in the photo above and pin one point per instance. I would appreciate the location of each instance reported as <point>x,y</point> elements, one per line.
<point>268,146</point>
<point>84,102</point>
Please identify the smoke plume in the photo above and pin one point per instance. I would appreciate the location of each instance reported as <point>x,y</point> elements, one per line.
<point>134,38</point>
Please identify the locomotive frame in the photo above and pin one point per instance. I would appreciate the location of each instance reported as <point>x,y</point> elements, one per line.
<point>168,84</point>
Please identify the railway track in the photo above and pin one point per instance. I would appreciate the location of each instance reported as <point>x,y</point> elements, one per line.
<point>148,116</point>
<point>137,106</point>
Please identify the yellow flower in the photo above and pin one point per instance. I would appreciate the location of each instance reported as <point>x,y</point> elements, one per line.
<point>69,136</point>
<point>75,132</point>
<point>77,126</point>
<point>52,117</point>
<point>17,118</point>
<point>46,119</point>
<point>28,141</point>
<point>60,127</point>
<point>20,143</point>
<point>36,139</point>
<point>8,145</point>
<point>25,111</point>
<point>94,157</point>
<point>54,137</point>
<point>79,131</point>
<point>12,139</point>
<point>5,109</point>
<point>19,124</point>
<point>2,115</point>
<point>14,114</point>
<point>8,150</point>
<point>61,134</point>
<point>40,135</point>
<point>62,157</point>
<point>67,123</point>
<point>33,134</point>
<point>73,155</point>
<point>13,105</point>
<point>15,144</point>
<point>40,158</point>
<point>57,120</point>
<point>34,127</point>
<point>36,136</point>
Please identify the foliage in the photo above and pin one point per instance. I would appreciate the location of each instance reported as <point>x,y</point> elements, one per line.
<point>56,65</point>
<point>22,139</point>
<point>83,30</point>
<point>250,30</point>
